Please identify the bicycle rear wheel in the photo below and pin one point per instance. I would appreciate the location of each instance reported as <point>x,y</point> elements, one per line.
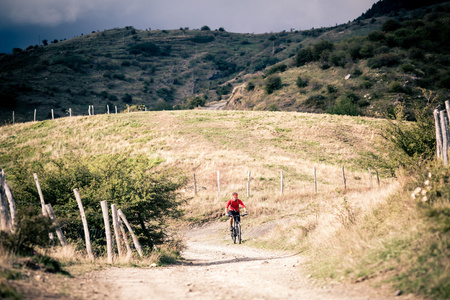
<point>238,232</point>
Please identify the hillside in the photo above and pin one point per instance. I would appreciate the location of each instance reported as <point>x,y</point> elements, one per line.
<point>389,59</point>
<point>363,231</point>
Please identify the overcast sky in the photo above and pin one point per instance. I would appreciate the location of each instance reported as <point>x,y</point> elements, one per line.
<point>23,22</point>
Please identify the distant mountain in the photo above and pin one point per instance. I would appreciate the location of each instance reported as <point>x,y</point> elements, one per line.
<point>386,7</point>
<point>366,67</point>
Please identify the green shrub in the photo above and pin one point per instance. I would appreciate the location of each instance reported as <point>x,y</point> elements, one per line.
<point>32,231</point>
<point>317,101</point>
<point>146,195</point>
<point>224,89</point>
<point>272,84</point>
<point>390,25</point>
<point>409,143</point>
<point>165,93</point>
<point>250,86</point>
<point>149,49</point>
<point>276,69</point>
<point>332,89</point>
<point>395,87</point>
<point>383,60</point>
<point>407,68</point>
<point>202,39</point>
<point>127,98</point>
<point>346,105</point>
<point>272,107</point>
<point>195,102</point>
<point>301,83</point>
<point>303,57</point>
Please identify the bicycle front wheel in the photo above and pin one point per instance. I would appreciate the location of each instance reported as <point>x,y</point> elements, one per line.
<point>233,233</point>
<point>238,232</point>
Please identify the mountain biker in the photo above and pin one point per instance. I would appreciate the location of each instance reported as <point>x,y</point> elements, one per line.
<point>232,208</point>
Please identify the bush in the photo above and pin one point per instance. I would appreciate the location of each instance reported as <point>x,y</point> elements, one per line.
<point>390,25</point>
<point>127,98</point>
<point>146,195</point>
<point>202,39</point>
<point>205,28</point>
<point>149,49</point>
<point>321,47</point>
<point>32,231</point>
<point>383,60</point>
<point>303,57</point>
<point>346,105</point>
<point>317,101</point>
<point>250,86</point>
<point>396,87</point>
<point>273,83</point>
<point>409,143</point>
<point>196,102</point>
<point>165,93</point>
<point>301,83</point>
<point>276,69</point>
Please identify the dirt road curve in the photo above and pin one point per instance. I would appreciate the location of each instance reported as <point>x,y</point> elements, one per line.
<point>217,269</point>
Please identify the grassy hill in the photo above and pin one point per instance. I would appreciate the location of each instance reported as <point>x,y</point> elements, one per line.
<point>350,234</point>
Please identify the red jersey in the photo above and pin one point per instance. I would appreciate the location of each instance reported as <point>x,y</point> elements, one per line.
<point>234,204</point>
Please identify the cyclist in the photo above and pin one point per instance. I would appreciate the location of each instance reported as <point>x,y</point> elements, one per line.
<point>232,208</point>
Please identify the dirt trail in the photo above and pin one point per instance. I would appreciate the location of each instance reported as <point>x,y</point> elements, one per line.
<point>217,269</point>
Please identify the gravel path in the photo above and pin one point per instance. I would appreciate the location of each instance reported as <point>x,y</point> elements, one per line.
<point>217,269</point>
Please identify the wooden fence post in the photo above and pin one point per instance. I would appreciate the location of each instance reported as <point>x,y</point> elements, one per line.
<point>59,233</point>
<point>281,183</point>
<point>116,228</point>
<point>104,206</point>
<point>35,115</point>
<point>195,186</point>
<point>447,108</point>
<point>12,206</point>
<point>343,176</point>
<point>41,198</point>
<point>4,214</point>
<point>87,237</point>
<point>53,115</point>
<point>125,239</point>
<point>93,113</point>
<point>116,109</point>
<point>128,108</point>
<point>89,110</point>
<point>248,184</point>
<point>437,124</point>
<point>444,132</point>
<point>378,179</point>
<point>315,181</point>
<point>107,109</point>
<point>133,236</point>
<point>218,183</point>
<point>14,121</point>
<point>70,112</point>
<point>370,178</point>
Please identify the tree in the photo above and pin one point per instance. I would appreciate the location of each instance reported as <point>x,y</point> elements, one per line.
<point>45,42</point>
<point>273,83</point>
<point>205,28</point>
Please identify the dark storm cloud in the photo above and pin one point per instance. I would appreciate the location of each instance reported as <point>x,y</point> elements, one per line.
<point>25,17</point>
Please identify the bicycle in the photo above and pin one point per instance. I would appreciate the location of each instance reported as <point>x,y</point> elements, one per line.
<point>236,233</point>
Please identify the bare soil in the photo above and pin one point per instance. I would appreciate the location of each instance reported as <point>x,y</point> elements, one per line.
<point>214,268</point>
